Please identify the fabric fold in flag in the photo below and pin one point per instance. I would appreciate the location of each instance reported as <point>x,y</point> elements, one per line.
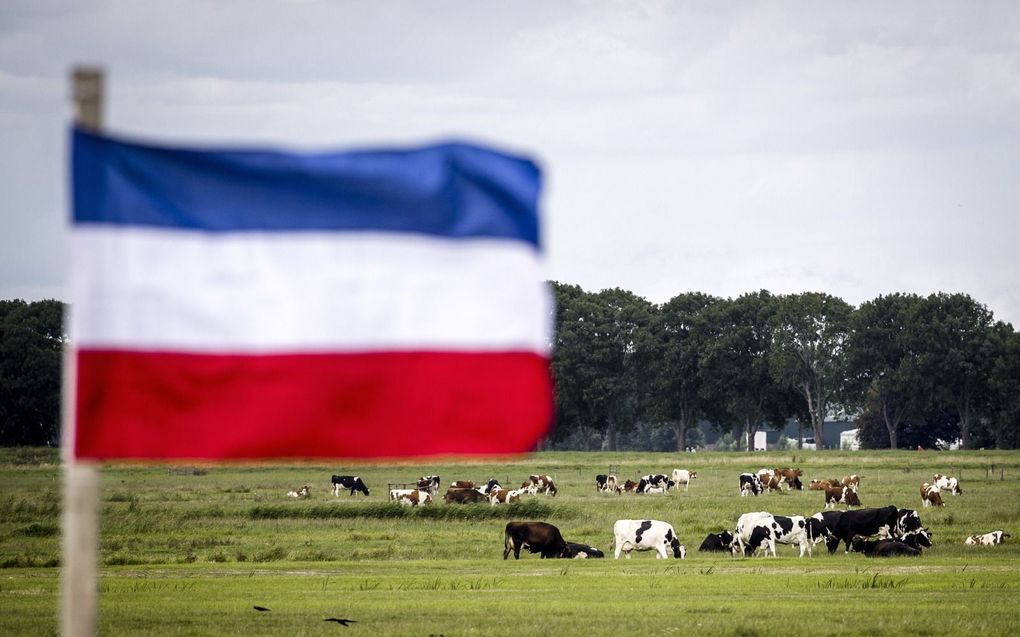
<point>233,304</point>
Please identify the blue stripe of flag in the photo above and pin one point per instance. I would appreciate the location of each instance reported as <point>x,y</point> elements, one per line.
<point>450,190</point>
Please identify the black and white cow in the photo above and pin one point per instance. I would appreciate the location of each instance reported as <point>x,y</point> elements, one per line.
<point>492,484</point>
<point>868,522</point>
<point>717,542</point>
<point>645,535</point>
<point>769,530</point>
<point>657,483</point>
<point>582,551</point>
<point>750,483</point>
<point>987,539</point>
<point>429,483</point>
<point>607,482</point>
<point>537,537</point>
<point>883,548</point>
<point>353,483</point>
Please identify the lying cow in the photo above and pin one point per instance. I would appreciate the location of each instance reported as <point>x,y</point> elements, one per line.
<point>841,495</point>
<point>464,496</point>
<point>537,537</point>
<point>987,539</point>
<point>607,482</point>
<point>462,484</point>
<point>504,496</point>
<point>948,483</point>
<point>930,496</point>
<point>645,535</point>
<point>822,485</point>
<point>396,494</point>
<point>354,483</point>
<point>429,483</point>
<point>582,551</point>
<point>883,548</point>
<point>683,476</point>
<point>630,486</point>
<point>657,483</point>
<point>300,493</point>
<point>750,483</point>
<point>416,497</point>
<point>717,542</point>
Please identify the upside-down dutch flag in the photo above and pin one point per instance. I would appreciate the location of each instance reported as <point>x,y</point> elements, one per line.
<point>255,304</point>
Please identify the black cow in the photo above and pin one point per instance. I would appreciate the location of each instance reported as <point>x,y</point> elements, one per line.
<point>464,496</point>
<point>883,548</point>
<point>538,537</point>
<point>863,522</point>
<point>717,542</point>
<point>582,551</point>
<point>353,483</point>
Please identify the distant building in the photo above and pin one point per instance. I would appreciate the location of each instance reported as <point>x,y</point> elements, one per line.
<point>849,441</point>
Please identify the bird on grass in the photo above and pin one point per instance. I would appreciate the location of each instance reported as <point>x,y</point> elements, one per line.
<point>342,622</point>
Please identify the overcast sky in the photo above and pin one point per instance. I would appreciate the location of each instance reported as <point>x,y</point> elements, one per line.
<point>857,149</point>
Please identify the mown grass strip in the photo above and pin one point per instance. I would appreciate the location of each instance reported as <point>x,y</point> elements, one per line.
<point>527,509</point>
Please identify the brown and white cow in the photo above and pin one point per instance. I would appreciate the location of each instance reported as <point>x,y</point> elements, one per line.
<point>790,477</point>
<point>822,485</point>
<point>300,493</point>
<point>630,486</point>
<point>948,483</point>
<point>841,495</point>
<point>683,476</point>
<point>504,496</point>
<point>852,480</point>
<point>607,482</point>
<point>464,496</point>
<point>415,498</point>
<point>540,484</point>
<point>987,539</point>
<point>462,484</point>
<point>429,483</point>
<point>930,496</point>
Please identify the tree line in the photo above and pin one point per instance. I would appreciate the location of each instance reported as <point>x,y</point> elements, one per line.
<point>910,370</point>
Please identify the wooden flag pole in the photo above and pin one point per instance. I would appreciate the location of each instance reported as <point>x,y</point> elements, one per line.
<point>80,546</point>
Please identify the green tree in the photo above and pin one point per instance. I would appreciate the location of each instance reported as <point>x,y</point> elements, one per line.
<point>811,331</point>
<point>673,379</point>
<point>882,358</point>
<point>958,353</point>
<point>1003,422</point>
<point>736,385</point>
<point>31,340</point>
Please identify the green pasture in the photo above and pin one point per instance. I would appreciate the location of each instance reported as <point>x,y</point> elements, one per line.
<point>192,552</point>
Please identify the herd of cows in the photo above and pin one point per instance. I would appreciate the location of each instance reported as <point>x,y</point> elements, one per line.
<point>874,532</point>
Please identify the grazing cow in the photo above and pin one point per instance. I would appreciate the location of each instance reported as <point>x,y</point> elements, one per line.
<point>883,548</point>
<point>827,520</point>
<point>822,485</point>
<point>415,498</point>
<point>300,493</point>
<point>429,483</point>
<point>864,522</point>
<point>853,480</point>
<point>630,485</point>
<point>537,537</point>
<point>987,539</point>
<point>770,483</point>
<point>683,476</point>
<point>540,484</point>
<point>930,496</point>
<point>841,495</point>
<point>949,483</point>
<point>607,482</point>
<point>742,532</point>
<point>462,484</point>
<point>717,542</point>
<point>464,496</point>
<point>353,483</point>
<point>790,477</point>
<point>644,535</point>
<point>504,496</point>
<point>750,483</point>
<point>794,529</point>
<point>582,551</point>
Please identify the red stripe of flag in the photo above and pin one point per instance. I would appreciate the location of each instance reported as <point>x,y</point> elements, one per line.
<point>172,405</point>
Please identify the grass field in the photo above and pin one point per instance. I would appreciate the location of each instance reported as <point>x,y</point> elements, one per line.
<point>192,554</point>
